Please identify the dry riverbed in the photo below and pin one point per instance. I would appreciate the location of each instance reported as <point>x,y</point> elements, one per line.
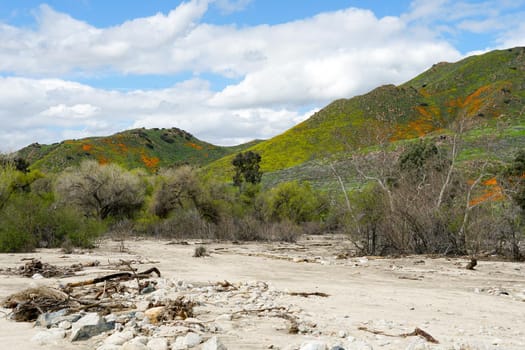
<point>305,296</point>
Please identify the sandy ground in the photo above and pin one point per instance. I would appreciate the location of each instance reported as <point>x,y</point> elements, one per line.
<point>462,309</point>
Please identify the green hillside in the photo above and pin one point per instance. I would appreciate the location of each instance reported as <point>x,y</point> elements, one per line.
<point>487,90</point>
<point>137,148</point>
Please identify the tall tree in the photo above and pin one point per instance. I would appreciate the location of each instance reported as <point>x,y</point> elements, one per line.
<point>247,168</point>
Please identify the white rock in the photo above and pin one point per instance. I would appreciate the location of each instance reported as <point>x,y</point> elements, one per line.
<point>192,339</point>
<point>178,344</point>
<point>37,276</point>
<point>64,325</point>
<point>138,343</point>
<point>313,345</point>
<point>213,344</point>
<point>119,338</point>
<point>342,334</point>
<point>49,337</point>
<point>157,344</point>
<point>88,326</point>
<point>109,347</point>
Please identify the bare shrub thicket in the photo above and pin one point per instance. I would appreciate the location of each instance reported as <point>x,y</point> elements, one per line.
<point>416,201</point>
<point>102,190</point>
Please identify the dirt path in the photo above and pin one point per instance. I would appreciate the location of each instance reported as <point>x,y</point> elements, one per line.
<point>481,309</point>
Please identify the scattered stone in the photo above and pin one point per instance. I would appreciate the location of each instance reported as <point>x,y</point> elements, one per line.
<point>157,344</point>
<point>213,344</point>
<point>90,325</point>
<point>119,338</point>
<point>49,337</point>
<point>314,345</point>
<point>49,319</point>
<point>337,347</point>
<point>154,314</point>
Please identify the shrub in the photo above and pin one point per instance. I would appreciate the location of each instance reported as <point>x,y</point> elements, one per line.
<point>102,190</point>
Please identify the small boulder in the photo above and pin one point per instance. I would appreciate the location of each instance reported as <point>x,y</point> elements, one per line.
<point>49,337</point>
<point>90,325</point>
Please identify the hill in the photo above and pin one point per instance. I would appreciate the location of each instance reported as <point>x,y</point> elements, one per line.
<point>137,148</point>
<point>488,91</point>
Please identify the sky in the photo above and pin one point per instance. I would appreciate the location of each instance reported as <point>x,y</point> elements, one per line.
<point>227,71</point>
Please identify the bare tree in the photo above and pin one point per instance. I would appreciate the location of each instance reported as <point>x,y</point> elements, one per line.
<point>102,190</point>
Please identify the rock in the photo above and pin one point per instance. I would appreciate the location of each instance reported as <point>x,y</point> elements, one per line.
<point>154,314</point>
<point>49,337</point>
<point>138,343</point>
<point>342,334</point>
<point>157,344</point>
<point>313,345</point>
<point>50,319</point>
<point>119,338</point>
<point>337,347</point>
<point>213,344</point>
<point>192,339</point>
<point>109,347</point>
<point>90,325</point>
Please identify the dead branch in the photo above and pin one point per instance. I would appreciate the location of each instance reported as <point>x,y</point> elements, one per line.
<point>417,332</point>
<point>120,276</point>
<point>306,294</point>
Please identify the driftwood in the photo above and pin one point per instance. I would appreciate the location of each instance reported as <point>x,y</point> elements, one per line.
<point>34,266</point>
<point>306,295</point>
<point>416,332</point>
<point>473,262</point>
<point>119,276</point>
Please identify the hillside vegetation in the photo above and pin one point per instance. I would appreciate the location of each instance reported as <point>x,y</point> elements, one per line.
<point>488,90</point>
<point>138,148</point>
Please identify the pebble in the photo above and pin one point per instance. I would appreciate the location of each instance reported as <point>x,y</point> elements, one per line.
<point>119,338</point>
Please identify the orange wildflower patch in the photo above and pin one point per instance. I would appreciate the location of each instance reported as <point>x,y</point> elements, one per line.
<point>87,147</point>
<point>194,146</point>
<point>149,162</point>
<point>123,147</point>
<point>102,160</point>
<point>493,192</point>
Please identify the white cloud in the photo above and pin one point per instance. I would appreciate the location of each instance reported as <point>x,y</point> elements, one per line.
<point>279,69</point>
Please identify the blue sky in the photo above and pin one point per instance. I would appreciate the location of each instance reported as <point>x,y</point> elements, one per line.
<point>227,71</point>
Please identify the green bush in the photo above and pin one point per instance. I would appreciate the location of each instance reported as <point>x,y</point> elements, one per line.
<point>294,201</point>
<point>28,222</point>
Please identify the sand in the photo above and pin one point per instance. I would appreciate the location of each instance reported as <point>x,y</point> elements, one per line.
<point>462,309</point>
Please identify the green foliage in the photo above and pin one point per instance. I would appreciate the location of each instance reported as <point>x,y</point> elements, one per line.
<point>514,179</point>
<point>30,221</point>
<point>294,201</point>
<point>247,168</point>
<point>418,157</point>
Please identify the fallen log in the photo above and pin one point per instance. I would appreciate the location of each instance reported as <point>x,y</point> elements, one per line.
<point>119,276</point>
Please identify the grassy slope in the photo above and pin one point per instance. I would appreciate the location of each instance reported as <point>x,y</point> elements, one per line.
<point>146,148</point>
<point>489,90</point>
